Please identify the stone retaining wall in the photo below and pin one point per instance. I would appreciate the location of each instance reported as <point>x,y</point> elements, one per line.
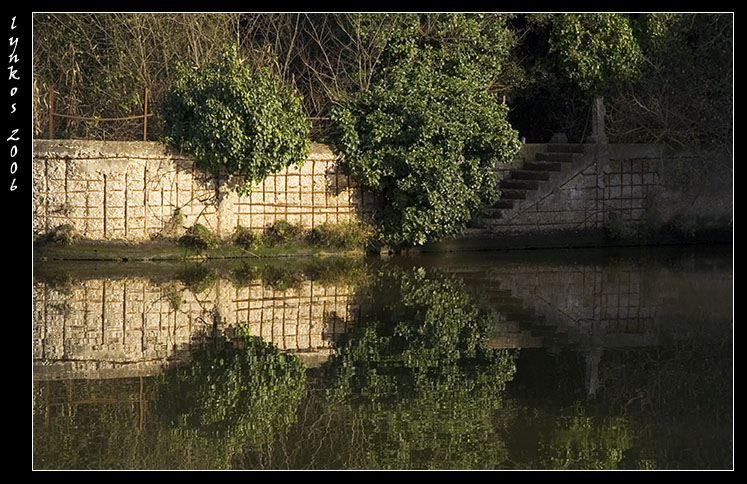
<point>132,191</point>
<point>137,190</point>
<point>611,195</point>
<point>612,186</point>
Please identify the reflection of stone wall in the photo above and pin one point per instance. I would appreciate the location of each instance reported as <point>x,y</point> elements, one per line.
<point>131,190</point>
<point>129,327</point>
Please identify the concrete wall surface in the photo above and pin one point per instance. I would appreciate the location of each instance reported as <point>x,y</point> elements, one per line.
<point>132,190</point>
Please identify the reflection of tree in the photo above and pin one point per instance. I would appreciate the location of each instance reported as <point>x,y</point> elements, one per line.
<point>581,441</point>
<point>227,401</point>
<point>231,398</point>
<point>679,398</point>
<point>90,424</point>
<point>662,407</point>
<point>420,379</point>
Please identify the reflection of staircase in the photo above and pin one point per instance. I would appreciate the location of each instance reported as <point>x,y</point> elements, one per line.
<point>530,180</point>
<point>517,324</point>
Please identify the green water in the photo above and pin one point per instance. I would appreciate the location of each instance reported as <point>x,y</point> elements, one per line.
<point>577,359</point>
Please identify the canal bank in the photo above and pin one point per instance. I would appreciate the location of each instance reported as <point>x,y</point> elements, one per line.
<point>126,198</point>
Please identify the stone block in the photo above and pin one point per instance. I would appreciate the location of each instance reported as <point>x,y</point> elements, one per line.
<point>115,226</point>
<point>115,198</point>
<point>135,198</point>
<point>292,182</point>
<point>293,199</point>
<point>56,170</point>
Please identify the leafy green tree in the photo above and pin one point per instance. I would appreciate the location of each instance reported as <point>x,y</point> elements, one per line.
<point>236,121</point>
<point>428,132</point>
<point>684,95</point>
<point>595,51</point>
<point>571,62</point>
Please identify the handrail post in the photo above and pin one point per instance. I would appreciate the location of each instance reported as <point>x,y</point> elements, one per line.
<point>145,117</point>
<point>51,110</point>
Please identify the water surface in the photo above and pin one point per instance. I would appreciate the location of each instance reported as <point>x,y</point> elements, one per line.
<point>563,359</point>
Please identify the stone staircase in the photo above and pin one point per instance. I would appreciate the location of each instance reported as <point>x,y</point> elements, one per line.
<point>529,180</point>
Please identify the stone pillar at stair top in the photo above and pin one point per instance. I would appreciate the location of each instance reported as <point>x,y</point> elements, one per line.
<point>598,113</point>
<point>559,138</point>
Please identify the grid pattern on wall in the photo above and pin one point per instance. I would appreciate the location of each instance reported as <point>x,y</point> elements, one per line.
<point>587,198</point>
<point>127,191</point>
<point>626,188</point>
<point>317,192</point>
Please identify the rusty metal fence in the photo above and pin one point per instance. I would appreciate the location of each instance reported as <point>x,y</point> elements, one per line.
<point>320,126</point>
<point>53,114</point>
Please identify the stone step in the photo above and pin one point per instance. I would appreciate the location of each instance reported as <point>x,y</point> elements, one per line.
<point>519,184</point>
<point>491,213</point>
<point>515,194</point>
<point>529,175</point>
<point>557,157</point>
<point>565,148</point>
<point>504,203</point>
<point>524,317</point>
<point>543,165</point>
<point>506,304</point>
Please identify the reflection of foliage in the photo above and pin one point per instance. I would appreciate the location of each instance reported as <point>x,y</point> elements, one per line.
<point>91,424</point>
<point>676,394</point>
<point>583,442</point>
<point>281,278</point>
<point>235,397</point>
<point>422,376</point>
<point>198,277</point>
<point>291,273</point>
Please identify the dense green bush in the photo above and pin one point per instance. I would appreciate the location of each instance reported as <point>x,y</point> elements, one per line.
<point>282,231</point>
<point>236,121</point>
<point>428,132</point>
<point>65,234</point>
<point>595,51</point>
<point>353,234</point>
<point>245,238</point>
<point>198,237</point>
